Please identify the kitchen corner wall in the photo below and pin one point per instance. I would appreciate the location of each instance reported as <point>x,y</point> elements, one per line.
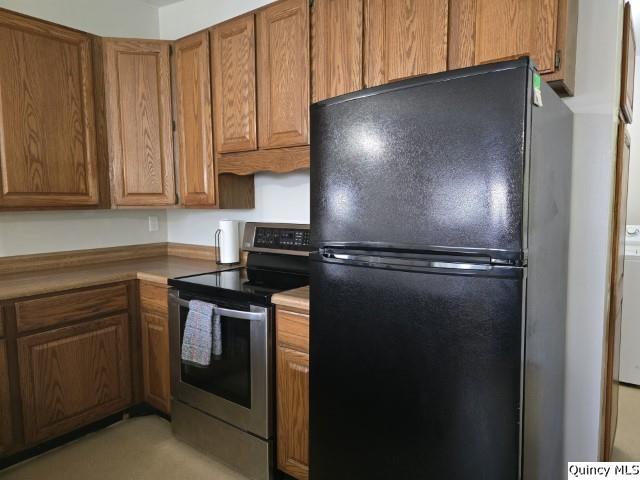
<point>595,105</point>
<point>279,198</point>
<point>38,232</point>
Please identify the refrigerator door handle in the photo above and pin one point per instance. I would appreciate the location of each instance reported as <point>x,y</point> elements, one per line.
<point>408,262</point>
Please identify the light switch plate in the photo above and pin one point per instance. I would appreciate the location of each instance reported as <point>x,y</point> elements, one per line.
<point>153,223</point>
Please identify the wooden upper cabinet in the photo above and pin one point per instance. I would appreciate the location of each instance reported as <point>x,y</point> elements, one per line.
<point>628,65</point>
<point>336,48</point>
<point>404,38</point>
<point>487,31</point>
<point>283,74</point>
<point>5,402</point>
<point>47,123</point>
<point>139,122</point>
<point>194,121</point>
<point>233,65</point>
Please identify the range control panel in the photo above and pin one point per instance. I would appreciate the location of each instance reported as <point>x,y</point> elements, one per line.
<point>282,238</point>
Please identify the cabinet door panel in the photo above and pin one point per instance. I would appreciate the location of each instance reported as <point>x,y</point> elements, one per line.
<point>234,75</point>
<point>293,412</point>
<point>404,38</point>
<point>73,376</point>
<point>195,131</point>
<point>138,101</point>
<point>485,31</point>
<point>5,401</point>
<point>283,74</point>
<point>336,48</point>
<point>155,361</point>
<point>47,124</point>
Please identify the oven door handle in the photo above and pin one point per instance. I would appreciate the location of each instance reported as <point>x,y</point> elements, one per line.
<point>225,312</point>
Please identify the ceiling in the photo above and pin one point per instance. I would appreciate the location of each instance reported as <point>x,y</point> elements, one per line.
<point>161,3</point>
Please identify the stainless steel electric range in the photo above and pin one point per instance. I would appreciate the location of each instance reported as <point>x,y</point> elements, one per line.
<point>226,409</point>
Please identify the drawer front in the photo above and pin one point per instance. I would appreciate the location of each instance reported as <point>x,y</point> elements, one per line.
<point>68,307</point>
<point>293,329</point>
<point>154,298</point>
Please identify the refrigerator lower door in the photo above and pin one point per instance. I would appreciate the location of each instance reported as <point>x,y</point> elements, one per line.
<point>415,374</point>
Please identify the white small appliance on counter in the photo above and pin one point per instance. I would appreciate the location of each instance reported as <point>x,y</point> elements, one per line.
<point>629,351</point>
<point>227,242</point>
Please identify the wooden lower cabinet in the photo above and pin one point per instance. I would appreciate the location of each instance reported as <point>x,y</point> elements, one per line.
<point>72,376</point>
<point>5,401</point>
<point>154,325</point>
<point>155,361</point>
<point>292,364</point>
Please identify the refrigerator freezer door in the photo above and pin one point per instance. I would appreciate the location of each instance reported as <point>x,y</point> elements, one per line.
<point>436,161</point>
<point>414,375</point>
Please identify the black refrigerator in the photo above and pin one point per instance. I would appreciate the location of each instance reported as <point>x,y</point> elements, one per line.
<point>440,224</point>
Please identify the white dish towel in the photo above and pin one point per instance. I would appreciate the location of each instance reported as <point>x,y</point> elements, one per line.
<point>202,334</point>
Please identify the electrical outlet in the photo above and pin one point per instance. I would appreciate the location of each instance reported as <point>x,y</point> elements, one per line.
<point>153,223</point>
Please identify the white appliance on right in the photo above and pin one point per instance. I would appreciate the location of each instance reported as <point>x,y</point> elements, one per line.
<point>630,341</point>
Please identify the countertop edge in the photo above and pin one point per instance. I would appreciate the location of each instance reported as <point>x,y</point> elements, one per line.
<point>297,298</point>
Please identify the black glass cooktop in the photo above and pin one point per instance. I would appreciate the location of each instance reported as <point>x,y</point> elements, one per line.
<point>241,284</point>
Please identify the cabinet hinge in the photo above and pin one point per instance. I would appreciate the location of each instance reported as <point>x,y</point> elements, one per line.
<point>173,125</point>
<point>170,49</point>
<point>558,59</point>
<point>311,2</point>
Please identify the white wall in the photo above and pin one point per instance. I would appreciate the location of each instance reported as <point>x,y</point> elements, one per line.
<point>633,213</point>
<point>279,198</point>
<point>117,18</point>
<point>189,16</point>
<point>595,108</point>
<point>25,233</point>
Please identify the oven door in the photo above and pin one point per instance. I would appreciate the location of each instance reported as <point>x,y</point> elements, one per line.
<point>235,387</point>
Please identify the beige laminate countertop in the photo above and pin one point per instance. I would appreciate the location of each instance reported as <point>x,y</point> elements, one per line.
<point>298,298</point>
<point>152,269</point>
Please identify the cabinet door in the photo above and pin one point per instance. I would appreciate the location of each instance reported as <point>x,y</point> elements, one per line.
<point>612,379</point>
<point>485,31</point>
<point>628,65</point>
<point>5,401</point>
<point>155,361</point>
<point>72,376</point>
<point>47,124</point>
<point>336,48</point>
<point>293,412</point>
<point>233,46</point>
<point>283,74</point>
<point>195,131</point>
<point>138,105</point>
<point>404,38</point>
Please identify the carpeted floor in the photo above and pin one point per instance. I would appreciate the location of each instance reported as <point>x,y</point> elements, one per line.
<point>626,447</point>
<point>137,449</point>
